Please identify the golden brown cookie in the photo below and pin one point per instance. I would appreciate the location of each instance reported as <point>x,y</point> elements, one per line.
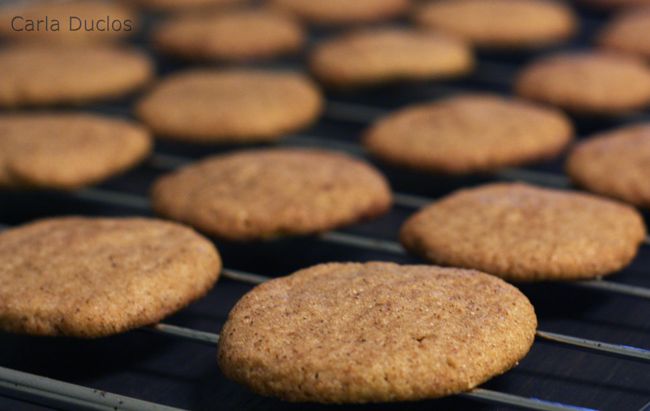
<point>66,22</point>
<point>67,151</point>
<point>238,35</point>
<point>93,277</point>
<point>500,23</point>
<point>46,75</point>
<point>259,194</point>
<point>597,82</point>
<point>470,133</point>
<point>524,233</point>
<point>374,56</point>
<point>375,332</point>
<point>628,33</point>
<point>338,12</point>
<point>615,164</point>
<point>184,5</point>
<point>237,105</point>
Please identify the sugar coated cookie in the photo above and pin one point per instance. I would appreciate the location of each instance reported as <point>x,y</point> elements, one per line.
<point>375,56</point>
<point>337,12</point>
<point>615,164</point>
<point>500,23</point>
<point>523,233</point>
<point>375,332</point>
<point>93,277</point>
<point>237,105</point>
<point>239,35</point>
<point>46,75</point>
<point>67,150</point>
<point>628,33</point>
<point>470,133</point>
<point>258,194</point>
<point>597,83</point>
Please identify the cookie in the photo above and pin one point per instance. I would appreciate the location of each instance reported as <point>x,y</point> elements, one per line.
<point>469,133</point>
<point>184,5</point>
<point>260,194</point>
<point>68,22</point>
<point>375,332</point>
<point>592,83</point>
<point>342,12</point>
<point>236,105</point>
<point>615,164</point>
<point>500,23</point>
<point>94,277</point>
<point>375,56</point>
<point>45,75</point>
<point>67,151</point>
<point>234,36</point>
<point>628,33</point>
<point>524,233</point>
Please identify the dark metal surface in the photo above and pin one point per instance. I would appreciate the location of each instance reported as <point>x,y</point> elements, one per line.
<point>184,374</point>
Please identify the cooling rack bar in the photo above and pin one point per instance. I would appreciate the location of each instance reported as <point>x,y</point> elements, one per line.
<point>623,351</point>
<point>496,397</point>
<point>480,394</point>
<point>335,237</point>
<point>63,395</point>
<point>630,290</point>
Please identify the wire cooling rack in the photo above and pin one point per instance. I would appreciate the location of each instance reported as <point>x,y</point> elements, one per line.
<point>590,352</point>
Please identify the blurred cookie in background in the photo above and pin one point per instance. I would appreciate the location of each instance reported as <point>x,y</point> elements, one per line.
<point>230,106</point>
<point>38,75</point>
<point>67,22</point>
<point>615,164</point>
<point>67,150</point>
<point>468,134</point>
<point>587,82</point>
<point>231,36</point>
<point>340,12</point>
<point>628,33</point>
<point>381,55</point>
<point>500,23</point>
<point>174,6</point>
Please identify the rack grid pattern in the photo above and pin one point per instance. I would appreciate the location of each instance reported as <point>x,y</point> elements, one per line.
<point>589,355</point>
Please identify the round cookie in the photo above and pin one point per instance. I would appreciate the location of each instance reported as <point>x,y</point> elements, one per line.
<point>500,23</point>
<point>237,105</point>
<point>470,133</point>
<point>184,5</point>
<point>615,164</point>
<point>597,83</point>
<point>46,75</point>
<point>375,56</point>
<point>260,194</point>
<point>628,33</point>
<point>375,332</point>
<point>94,277</point>
<point>230,36</point>
<point>523,233</point>
<point>89,17</point>
<point>67,151</point>
<point>340,12</point>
